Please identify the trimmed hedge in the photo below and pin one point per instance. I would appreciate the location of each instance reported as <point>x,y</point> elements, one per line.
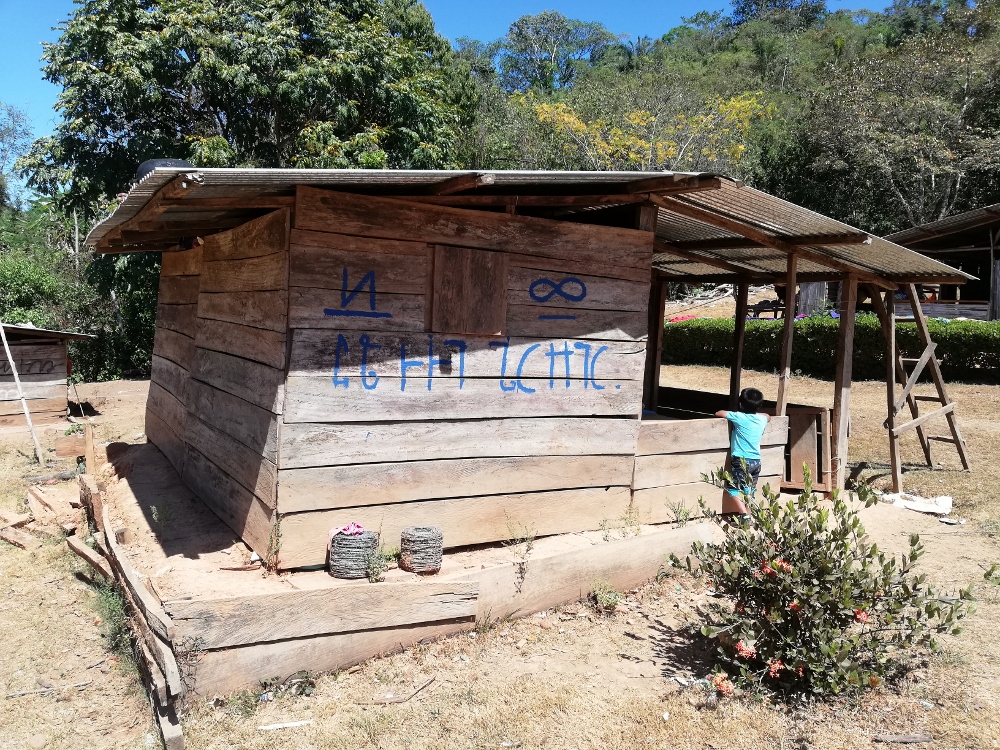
<point>969,350</point>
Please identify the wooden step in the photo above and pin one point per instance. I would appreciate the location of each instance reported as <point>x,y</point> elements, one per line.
<point>936,399</point>
<point>941,438</point>
<point>909,360</point>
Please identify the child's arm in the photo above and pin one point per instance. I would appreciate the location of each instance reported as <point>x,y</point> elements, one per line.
<point>722,413</point>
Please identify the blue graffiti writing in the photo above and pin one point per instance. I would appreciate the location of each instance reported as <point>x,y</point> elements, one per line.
<point>566,353</point>
<point>557,317</point>
<point>520,366</point>
<point>406,364</point>
<point>461,346</point>
<point>505,345</point>
<point>589,363</point>
<point>342,348</point>
<point>557,289</point>
<point>367,345</point>
<point>347,297</point>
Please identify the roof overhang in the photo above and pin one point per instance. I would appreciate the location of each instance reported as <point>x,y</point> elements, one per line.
<point>17,332</point>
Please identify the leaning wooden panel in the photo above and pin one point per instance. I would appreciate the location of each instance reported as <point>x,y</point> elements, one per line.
<point>346,213</point>
<point>319,400</point>
<point>266,347</point>
<point>183,263</point>
<point>682,468</point>
<point>259,384</point>
<point>529,286</point>
<point>251,425</point>
<point>683,435</point>
<point>382,483</point>
<point>566,322</point>
<point>261,274</point>
<point>366,310</point>
<point>244,465</point>
<point>347,262</point>
<point>267,310</point>
<point>180,318</point>
<point>464,521</point>
<point>263,236</point>
<point>242,621</point>
<point>304,445</point>
<point>355,355</point>
<point>174,346</point>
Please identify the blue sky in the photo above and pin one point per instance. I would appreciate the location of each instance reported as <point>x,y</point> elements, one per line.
<point>25,24</point>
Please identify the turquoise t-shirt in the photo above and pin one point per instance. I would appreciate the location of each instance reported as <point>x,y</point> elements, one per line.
<point>747,432</point>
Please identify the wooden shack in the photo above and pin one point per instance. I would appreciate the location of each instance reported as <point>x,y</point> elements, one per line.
<point>474,351</point>
<point>42,363</point>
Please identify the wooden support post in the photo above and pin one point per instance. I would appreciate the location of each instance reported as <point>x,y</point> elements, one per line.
<point>654,344</point>
<point>20,394</point>
<point>842,385</point>
<point>888,319</point>
<point>993,313</point>
<point>788,332</point>
<point>739,335</point>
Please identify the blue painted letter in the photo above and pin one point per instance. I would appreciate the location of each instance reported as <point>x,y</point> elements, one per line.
<point>461,346</point>
<point>552,354</point>
<point>520,366</point>
<point>366,344</point>
<point>406,364</point>
<point>503,365</point>
<point>342,348</point>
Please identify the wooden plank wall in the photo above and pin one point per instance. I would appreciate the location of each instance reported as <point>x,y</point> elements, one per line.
<point>218,370</point>
<point>41,368</point>
<point>477,371</point>
<point>672,454</point>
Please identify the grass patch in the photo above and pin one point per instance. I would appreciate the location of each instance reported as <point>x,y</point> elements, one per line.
<point>120,638</point>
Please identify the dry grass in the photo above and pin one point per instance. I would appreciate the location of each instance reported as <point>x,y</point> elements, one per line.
<point>563,681</point>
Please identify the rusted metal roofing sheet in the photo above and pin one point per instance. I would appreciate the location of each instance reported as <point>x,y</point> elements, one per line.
<point>732,211</point>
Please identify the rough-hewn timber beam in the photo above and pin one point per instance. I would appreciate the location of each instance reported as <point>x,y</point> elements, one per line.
<point>462,182</point>
<point>181,185</point>
<point>241,202</point>
<point>530,201</point>
<point>675,183</point>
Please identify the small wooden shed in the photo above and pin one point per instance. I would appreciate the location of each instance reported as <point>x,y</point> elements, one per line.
<point>474,351</point>
<point>42,363</point>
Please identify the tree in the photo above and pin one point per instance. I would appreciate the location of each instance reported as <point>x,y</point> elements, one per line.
<point>268,83</point>
<point>15,139</point>
<point>807,10</point>
<point>545,51</point>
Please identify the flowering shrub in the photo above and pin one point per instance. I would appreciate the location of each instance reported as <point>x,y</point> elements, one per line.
<point>811,605</point>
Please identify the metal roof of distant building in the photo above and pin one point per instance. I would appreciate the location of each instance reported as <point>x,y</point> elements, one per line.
<point>22,331</point>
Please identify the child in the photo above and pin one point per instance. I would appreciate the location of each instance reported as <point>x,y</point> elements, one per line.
<point>748,428</point>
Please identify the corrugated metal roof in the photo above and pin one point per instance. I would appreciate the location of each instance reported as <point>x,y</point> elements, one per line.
<point>949,225</point>
<point>730,212</point>
<point>18,330</point>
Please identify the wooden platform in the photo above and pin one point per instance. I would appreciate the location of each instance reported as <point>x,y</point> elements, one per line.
<point>211,627</point>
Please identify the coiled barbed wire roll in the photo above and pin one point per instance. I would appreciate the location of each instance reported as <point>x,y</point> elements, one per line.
<point>349,555</point>
<point>421,548</point>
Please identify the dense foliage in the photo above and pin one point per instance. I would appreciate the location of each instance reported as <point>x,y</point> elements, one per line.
<point>811,606</point>
<point>969,350</point>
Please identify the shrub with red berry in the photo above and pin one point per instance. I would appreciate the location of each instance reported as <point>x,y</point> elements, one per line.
<point>810,605</point>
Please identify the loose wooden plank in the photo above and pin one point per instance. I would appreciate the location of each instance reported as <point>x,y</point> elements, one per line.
<point>19,538</point>
<point>163,436</point>
<point>246,466</point>
<point>331,353</point>
<point>324,308</point>
<point>391,272</point>
<point>167,407</point>
<point>256,428</point>
<point>259,384</point>
<point>382,483</point>
<point>248,620</point>
<point>685,435</point>
<point>180,318</point>
<point>174,346</point>
<point>263,236</point>
<point>35,359</point>
<point>543,582</point>
<point>682,468</point>
<point>552,322</point>
<point>91,557</point>
<point>803,445</point>
<point>305,445</point>
<point>182,263</point>
<point>266,347</point>
<point>319,400</point>
<point>367,216</point>
<point>35,405</point>
<point>240,509</point>
<point>70,446</point>
<point>267,310</point>
<point>464,521</point>
<point>170,376</point>
<point>260,274</point>
<point>529,286</point>
<point>178,290</point>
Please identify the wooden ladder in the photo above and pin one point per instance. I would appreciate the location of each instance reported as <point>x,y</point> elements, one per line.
<point>896,372</point>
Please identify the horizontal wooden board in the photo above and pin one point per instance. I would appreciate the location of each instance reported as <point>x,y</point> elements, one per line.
<point>464,521</point>
<point>266,310</point>
<point>538,321</point>
<point>319,400</point>
<point>391,272</point>
<point>259,384</point>
<point>658,504</point>
<point>37,418</point>
<point>684,435</point>
<point>262,236</point>
<point>260,274</point>
<point>163,436</point>
<point>529,286</point>
<point>33,387</point>
<point>256,428</point>
<point>183,263</point>
<point>304,445</point>
<point>308,308</point>
<point>35,406</point>
<point>174,346</point>
<point>573,266</point>
<point>257,344</point>
<point>353,243</point>
<point>167,407</point>
<point>246,466</point>
<point>331,353</point>
<point>35,359</point>
<point>683,468</point>
<point>367,216</point>
<point>180,318</point>
<point>381,483</point>
<point>219,623</point>
<point>239,508</point>
<point>178,290</point>
<point>170,376</point>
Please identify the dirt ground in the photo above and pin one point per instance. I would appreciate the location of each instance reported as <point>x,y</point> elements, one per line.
<point>570,679</point>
